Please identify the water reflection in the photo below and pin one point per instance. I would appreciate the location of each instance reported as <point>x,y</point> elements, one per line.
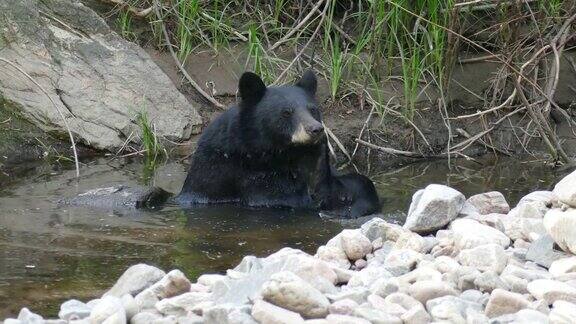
<point>49,254</point>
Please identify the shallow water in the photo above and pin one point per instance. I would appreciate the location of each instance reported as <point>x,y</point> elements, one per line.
<point>49,254</point>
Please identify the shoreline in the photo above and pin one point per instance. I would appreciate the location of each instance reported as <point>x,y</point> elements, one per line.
<point>474,260</point>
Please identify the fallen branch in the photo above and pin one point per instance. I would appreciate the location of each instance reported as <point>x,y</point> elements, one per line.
<point>57,109</point>
<point>136,12</point>
<point>391,150</point>
<point>177,61</point>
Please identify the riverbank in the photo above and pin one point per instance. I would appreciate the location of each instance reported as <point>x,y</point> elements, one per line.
<point>455,259</point>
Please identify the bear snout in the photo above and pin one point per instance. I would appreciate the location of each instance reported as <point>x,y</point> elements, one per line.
<point>315,130</point>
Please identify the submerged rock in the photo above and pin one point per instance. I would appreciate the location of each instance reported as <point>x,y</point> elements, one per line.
<point>120,197</point>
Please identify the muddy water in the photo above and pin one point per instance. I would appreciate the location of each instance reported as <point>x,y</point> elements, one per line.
<point>49,254</point>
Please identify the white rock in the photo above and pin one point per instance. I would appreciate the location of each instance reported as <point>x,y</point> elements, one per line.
<point>345,319</point>
<point>504,302</point>
<point>401,261</point>
<point>565,190</point>
<point>316,272</point>
<point>287,290</point>
<point>489,280</point>
<point>412,241</point>
<point>182,304</point>
<point>376,316</point>
<point>266,313</point>
<point>561,225</point>
<point>172,284</point>
<point>419,274</point>
<point>493,220</point>
<point>490,202</point>
<point>333,255</point>
<point>429,289</point>
<point>108,310</point>
<point>552,290</point>
<point>416,315</point>
<point>563,266</point>
<point>403,300</point>
<point>381,304</point>
<point>130,306</point>
<point>379,228</point>
<point>27,317</point>
<point>446,264</point>
<point>367,276</point>
<point>135,279</point>
<point>433,207</point>
<point>470,234</point>
<point>357,294</point>
<point>563,312</point>
<point>211,279</point>
<point>355,244</point>
<point>532,228</point>
<point>468,210</point>
<point>145,318</point>
<point>484,257</point>
<point>74,309</point>
<point>529,210</point>
<point>343,307</point>
<point>450,308</point>
<point>546,199</point>
<point>385,286</point>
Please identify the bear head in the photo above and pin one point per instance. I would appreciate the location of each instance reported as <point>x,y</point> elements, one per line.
<point>285,115</point>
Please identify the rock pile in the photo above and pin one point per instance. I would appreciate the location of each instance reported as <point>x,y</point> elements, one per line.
<point>455,260</point>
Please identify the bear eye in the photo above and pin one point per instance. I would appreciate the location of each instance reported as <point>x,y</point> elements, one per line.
<point>287,112</point>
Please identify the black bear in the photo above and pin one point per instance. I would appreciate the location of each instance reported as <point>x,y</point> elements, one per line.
<point>270,150</point>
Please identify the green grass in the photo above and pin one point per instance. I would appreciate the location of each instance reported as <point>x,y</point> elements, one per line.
<point>124,23</point>
<point>153,149</point>
<point>391,39</point>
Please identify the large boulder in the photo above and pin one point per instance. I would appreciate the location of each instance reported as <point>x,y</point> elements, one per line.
<point>490,202</point>
<point>98,81</point>
<point>433,207</point>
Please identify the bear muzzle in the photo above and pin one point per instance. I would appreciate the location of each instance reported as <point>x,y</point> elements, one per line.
<point>311,133</point>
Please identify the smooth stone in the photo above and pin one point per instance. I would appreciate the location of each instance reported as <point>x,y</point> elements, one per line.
<point>135,279</point>
<point>345,319</point>
<point>375,316</point>
<point>401,261</point>
<point>419,274</point>
<point>416,315</point>
<point>287,290</point>
<point>484,258</point>
<point>333,255</point>
<point>182,304</point>
<point>379,303</point>
<point>403,300</point>
<point>475,296</point>
<point>74,309</point>
<point>433,208</point>
<point>488,281</point>
<point>490,202</point>
<point>130,306</point>
<point>266,313</point>
<point>469,234</point>
<point>563,312</point>
<point>343,307</point>
<point>355,244</point>
<point>412,241</point>
<point>563,266</point>
<point>379,228</point>
<point>367,276</point>
<point>446,264</point>
<point>565,190</point>
<point>504,302</point>
<point>552,290</point>
<point>546,198</point>
<point>428,289</point>
<point>357,294</point>
<point>450,308</point>
<point>385,286</point>
<point>108,310</point>
<point>561,225</point>
<point>172,284</point>
<point>25,316</point>
<point>145,318</point>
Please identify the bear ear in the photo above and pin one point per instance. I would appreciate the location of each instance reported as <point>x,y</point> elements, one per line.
<point>251,87</point>
<point>308,82</point>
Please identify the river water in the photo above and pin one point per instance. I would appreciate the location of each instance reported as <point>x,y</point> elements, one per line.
<point>50,253</point>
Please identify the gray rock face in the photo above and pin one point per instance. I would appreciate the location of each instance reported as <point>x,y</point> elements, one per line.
<point>433,207</point>
<point>98,80</point>
<point>542,251</point>
<point>490,202</point>
<point>135,279</point>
